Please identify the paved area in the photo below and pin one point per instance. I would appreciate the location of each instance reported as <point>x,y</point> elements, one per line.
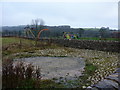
<point>56,67</point>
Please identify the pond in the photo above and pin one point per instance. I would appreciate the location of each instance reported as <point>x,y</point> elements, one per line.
<point>56,67</point>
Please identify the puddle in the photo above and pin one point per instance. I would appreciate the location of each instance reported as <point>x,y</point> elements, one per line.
<point>56,67</point>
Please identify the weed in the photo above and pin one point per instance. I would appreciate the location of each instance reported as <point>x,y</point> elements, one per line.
<point>24,76</point>
<point>19,76</point>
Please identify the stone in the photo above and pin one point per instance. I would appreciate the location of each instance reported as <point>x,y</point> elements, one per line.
<point>103,84</point>
<point>113,77</point>
<point>112,82</point>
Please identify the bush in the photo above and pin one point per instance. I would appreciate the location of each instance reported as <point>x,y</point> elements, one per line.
<point>20,76</point>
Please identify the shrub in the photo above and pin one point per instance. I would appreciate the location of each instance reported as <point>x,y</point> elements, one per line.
<point>20,76</point>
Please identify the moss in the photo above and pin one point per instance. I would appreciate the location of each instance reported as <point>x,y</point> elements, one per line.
<point>90,68</point>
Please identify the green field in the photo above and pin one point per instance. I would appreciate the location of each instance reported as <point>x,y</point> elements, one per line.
<point>12,40</point>
<point>95,38</point>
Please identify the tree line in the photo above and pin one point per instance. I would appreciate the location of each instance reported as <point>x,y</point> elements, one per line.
<point>37,25</point>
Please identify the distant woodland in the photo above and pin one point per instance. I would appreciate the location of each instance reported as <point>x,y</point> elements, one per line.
<point>57,31</point>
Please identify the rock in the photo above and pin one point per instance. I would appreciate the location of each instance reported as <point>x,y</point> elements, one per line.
<point>103,84</point>
<point>118,71</point>
<point>111,82</point>
<point>113,77</point>
<point>89,87</point>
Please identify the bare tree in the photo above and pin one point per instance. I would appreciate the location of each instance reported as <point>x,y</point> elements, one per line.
<point>35,29</point>
<point>36,26</point>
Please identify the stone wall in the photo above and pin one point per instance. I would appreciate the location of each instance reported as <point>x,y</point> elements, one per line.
<point>111,46</point>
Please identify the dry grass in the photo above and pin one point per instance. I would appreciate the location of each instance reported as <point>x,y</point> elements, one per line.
<point>17,76</point>
<point>24,76</point>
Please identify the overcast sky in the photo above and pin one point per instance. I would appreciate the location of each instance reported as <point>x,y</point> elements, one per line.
<point>75,14</point>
